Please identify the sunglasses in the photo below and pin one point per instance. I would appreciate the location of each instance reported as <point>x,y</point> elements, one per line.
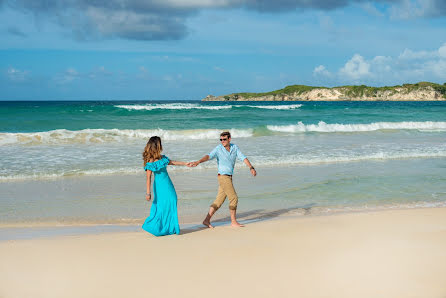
<point>221,140</point>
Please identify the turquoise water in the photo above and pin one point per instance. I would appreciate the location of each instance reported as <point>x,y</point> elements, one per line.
<point>330,155</point>
<point>46,116</point>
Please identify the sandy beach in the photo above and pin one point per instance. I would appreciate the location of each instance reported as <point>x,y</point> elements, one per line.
<point>393,253</point>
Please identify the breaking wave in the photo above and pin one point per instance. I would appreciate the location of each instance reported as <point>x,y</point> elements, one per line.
<point>172,106</point>
<point>63,136</point>
<point>190,106</point>
<point>324,127</point>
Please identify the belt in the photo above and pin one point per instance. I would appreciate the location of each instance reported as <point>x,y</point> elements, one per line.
<point>224,175</point>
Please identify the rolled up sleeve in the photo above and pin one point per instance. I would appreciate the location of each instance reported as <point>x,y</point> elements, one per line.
<point>240,155</point>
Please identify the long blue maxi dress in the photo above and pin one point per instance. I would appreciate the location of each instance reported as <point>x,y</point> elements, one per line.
<point>163,218</point>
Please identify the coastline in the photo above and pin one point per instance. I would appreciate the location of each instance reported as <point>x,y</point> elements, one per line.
<point>422,91</point>
<point>391,253</point>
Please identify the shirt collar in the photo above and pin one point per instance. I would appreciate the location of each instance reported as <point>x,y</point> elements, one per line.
<point>230,147</point>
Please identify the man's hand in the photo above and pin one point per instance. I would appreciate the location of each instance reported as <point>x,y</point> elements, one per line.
<point>253,172</point>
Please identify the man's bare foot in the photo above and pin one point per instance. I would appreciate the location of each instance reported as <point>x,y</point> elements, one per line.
<point>236,225</point>
<point>208,224</point>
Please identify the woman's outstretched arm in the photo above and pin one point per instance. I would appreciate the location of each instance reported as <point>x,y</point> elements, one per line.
<point>149,185</point>
<point>178,163</point>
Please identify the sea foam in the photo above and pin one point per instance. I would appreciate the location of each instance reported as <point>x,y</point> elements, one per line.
<point>275,107</point>
<point>190,106</point>
<point>63,136</point>
<point>172,106</point>
<point>324,127</point>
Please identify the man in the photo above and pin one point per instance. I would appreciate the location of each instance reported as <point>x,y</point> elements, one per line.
<point>226,154</point>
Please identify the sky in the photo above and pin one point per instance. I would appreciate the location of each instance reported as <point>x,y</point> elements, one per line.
<point>188,49</point>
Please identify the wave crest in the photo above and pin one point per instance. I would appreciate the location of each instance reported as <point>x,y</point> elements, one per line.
<point>191,106</point>
<point>172,106</point>
<point>63,136</point>
<point>324,127</point>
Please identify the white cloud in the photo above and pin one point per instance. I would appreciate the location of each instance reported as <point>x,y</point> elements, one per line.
<point>326,23</point>
<point>321,70</point>
<point>371,9</point>
<point>356,68</point>
<point>68,76</point>
<point>99,72</point>
<point>410,55</point>
<point>408,66</point>
<point>410,9</point>
<point>442,51</point>
<point>143,69</point>
<point>17,75</point>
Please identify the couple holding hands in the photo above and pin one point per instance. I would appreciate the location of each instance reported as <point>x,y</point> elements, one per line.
<point>163,218</point>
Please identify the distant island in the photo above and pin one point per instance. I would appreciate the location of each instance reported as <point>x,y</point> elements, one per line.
<point>406,92</point>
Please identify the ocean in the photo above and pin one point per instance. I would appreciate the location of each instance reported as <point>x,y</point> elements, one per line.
<point>80,162</point>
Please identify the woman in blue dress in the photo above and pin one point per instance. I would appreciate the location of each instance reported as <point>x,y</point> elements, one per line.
<point>163,218</point>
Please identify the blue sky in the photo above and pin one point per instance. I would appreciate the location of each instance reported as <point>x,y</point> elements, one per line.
<point>187,49</point>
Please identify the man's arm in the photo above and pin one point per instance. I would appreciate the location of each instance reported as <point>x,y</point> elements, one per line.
<point>203,159</point>
<point>253,171</point>
<point>241,156</point>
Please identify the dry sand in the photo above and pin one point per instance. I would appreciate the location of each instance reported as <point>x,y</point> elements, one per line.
<point>397,253</point>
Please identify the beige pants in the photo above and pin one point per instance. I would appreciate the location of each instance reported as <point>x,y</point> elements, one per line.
<point>225,189</point>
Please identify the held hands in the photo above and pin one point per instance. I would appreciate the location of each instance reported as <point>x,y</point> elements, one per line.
<point>192,164</point>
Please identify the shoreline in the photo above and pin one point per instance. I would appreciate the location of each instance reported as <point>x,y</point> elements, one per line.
<point>44,230</point>
<point>392,253</point>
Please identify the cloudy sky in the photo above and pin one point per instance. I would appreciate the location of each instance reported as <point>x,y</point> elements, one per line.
<point>187,49</point>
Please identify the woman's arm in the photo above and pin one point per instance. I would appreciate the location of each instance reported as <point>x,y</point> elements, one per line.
<point>177,163</point>
<point>149,185</point>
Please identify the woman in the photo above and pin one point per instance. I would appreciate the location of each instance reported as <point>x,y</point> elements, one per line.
<point>163,218</point>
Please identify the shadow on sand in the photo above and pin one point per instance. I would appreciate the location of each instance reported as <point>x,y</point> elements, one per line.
<point>250,217</point>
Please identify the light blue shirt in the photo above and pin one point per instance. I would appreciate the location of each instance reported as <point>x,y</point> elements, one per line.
<point>226,159</point>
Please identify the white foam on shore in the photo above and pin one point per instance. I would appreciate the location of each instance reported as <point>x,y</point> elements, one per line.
<point>428,126</point>
<point>303,160</point>
<point>50,176</point>
<point>63,136</point>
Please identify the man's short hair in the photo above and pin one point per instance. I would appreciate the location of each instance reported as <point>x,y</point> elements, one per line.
<point>225,134</point>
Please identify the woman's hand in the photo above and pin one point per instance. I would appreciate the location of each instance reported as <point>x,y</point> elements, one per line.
<point>148,196</point>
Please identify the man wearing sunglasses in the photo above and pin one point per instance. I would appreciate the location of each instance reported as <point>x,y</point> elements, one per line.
<point>226,154</point>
